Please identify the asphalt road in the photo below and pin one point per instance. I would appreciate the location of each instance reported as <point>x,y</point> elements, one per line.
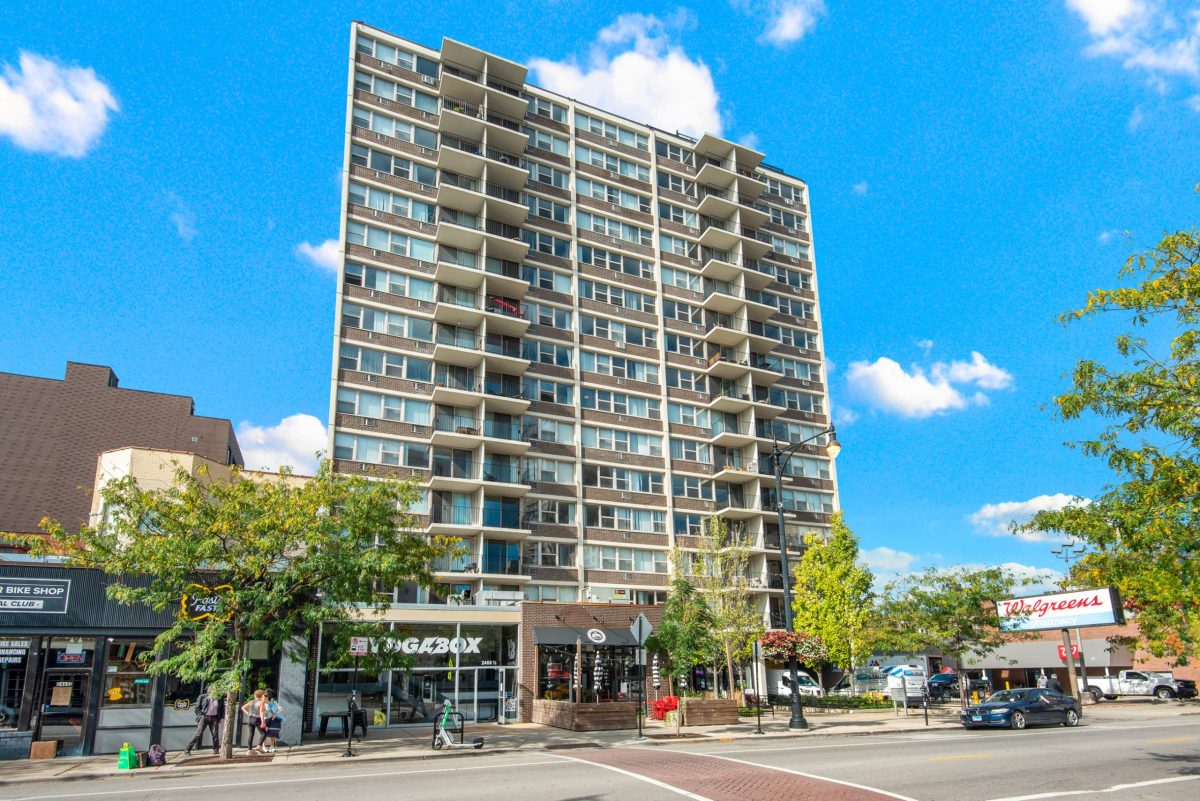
<point>1103,761</point>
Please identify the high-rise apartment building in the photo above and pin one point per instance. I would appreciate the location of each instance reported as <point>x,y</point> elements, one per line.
<point>580,332</point>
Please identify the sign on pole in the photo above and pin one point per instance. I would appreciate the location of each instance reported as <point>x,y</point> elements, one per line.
<point>1061,610</point>
<point>641,629</point>
<point>359,646</point>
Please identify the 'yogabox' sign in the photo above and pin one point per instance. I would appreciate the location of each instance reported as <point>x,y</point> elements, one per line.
<point>1061,610</point>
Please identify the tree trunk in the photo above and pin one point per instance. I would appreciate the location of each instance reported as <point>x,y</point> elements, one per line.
<point>232,698</point>
<point>962,682</point>
<point>729,670</point>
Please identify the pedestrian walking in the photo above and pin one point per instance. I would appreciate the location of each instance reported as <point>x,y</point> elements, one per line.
<point>1042,681</point>
<point>252,709</point>
<point>272,722</point>
<point>1054,683</point>
<point>210,710</point>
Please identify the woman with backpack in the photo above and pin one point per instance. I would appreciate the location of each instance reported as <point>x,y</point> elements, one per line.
<point>272,722</point>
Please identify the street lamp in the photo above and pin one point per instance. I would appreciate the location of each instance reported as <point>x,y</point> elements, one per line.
<point>779,459</point>
<point>1068,552</point>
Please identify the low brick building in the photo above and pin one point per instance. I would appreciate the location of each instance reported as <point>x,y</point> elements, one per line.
<point>52,431</point>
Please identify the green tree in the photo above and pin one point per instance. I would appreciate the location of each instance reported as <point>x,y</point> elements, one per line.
<point>684,637</point>
<point>1144,530</point>
<point>951,611</point>
<point>832,597</point>
<point>723,577</point>
<point>295,553</point>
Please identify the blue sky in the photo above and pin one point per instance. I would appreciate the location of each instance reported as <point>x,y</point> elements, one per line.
<point>973,172</point>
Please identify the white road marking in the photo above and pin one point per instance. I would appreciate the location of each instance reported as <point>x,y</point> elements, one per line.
<point>815,776</point>
<point>639,777</point>
<point>129,789</point>
<point>1116,788</point>
<point>901,739</point>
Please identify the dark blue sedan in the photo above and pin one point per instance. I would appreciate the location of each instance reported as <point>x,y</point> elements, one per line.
<point>1016,709</point>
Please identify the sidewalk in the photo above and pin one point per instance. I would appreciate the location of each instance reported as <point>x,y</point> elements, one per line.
<point>390,745</point>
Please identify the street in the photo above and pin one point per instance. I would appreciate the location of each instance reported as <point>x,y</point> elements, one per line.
<point>1146,760</point>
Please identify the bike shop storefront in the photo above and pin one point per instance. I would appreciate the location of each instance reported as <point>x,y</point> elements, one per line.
<point>72,669</point>
<point>466,655</point>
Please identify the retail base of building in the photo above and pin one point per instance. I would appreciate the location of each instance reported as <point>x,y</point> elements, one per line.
<point>492,662</point>
<point>70,668</point>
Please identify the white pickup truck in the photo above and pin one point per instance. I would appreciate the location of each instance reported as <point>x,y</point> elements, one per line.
<point>1134,682</point>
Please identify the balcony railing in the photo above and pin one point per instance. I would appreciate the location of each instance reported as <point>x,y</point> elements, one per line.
<point>503,387</point>
<point>459,338</point>
<point>454,468</point>
<point>504,157</point>
<point>458,424</point>
<point>449,178</point>
<point>502,121</point>
<point>720,426</point>
<point>505,567</point>
<point>503,193</point>
<point>453,382</point>
<point>508,269</point>
<point>461,72</point>
<point>502,517</point>
<point>463,258</point>
<point>461,106</point>
<point>454,515</point>
<point>459,218</point>
<point>503,86</point>
<point>506,473</point>
<point>497,429</point>
<point>508,307</point>
<point>511,351</point>
<point>729,391</point>
<point>465,145</point>
<point>502,229</point>
<point>465,300</point>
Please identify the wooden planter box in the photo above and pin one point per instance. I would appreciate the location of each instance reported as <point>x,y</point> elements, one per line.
<point>709,712</point>
<point>587,717</point>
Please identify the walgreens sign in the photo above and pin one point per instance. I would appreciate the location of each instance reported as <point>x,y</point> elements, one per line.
<point>1061,610</point>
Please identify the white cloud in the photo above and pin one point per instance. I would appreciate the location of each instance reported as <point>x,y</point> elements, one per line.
<point>925,345</point>
<point>784,22</point>
<point>1105,16</point>
<point>750,140</point>
<point>885,559</point>
<point>324,255</point>
<point>1041,579</point>
<point>47,107</point>
<point>844,415</point>
<point>993,519</point>
<point>861,188</point>
<point>182,217</point>
<point>886,386</point>
<point>638,69</point>
<point>1136,118</point>
<point>294,442</point>
<point>978,371</point>
<point>1108,236</point>
<point>1158,39</point>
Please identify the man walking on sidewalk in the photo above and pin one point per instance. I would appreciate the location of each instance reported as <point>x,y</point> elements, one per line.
<point>210,710</point>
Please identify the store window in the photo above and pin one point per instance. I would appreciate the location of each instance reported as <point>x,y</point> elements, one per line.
<point>14,655</point>
<point>126,682</point>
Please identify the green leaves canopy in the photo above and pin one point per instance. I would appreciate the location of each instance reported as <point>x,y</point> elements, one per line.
<point>296,552</point>
<point>832,597</point>
<point>1144,531</point>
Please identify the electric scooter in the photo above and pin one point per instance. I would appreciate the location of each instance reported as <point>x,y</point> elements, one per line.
<point>449,724</point>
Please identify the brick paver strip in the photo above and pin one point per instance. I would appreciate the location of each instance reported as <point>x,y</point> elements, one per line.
<point>723,779</point>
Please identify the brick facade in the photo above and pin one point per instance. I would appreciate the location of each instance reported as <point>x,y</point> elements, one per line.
<point>52,431</point>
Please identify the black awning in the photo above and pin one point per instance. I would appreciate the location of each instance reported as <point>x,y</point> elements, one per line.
<point>564,635</point>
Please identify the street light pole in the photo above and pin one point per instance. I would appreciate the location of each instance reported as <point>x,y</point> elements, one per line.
<point>1069,551</point>
<point>779,458</point>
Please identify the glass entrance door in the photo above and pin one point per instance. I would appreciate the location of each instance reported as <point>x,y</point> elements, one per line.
<point>64,709</point>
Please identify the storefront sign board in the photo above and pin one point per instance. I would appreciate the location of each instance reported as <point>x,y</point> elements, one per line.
<point>1061,610</point>
<point>34,595</point>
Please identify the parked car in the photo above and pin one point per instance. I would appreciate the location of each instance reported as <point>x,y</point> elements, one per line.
<point>1016,709</point>
<point>1136,682</point>
<point>946,685</point>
